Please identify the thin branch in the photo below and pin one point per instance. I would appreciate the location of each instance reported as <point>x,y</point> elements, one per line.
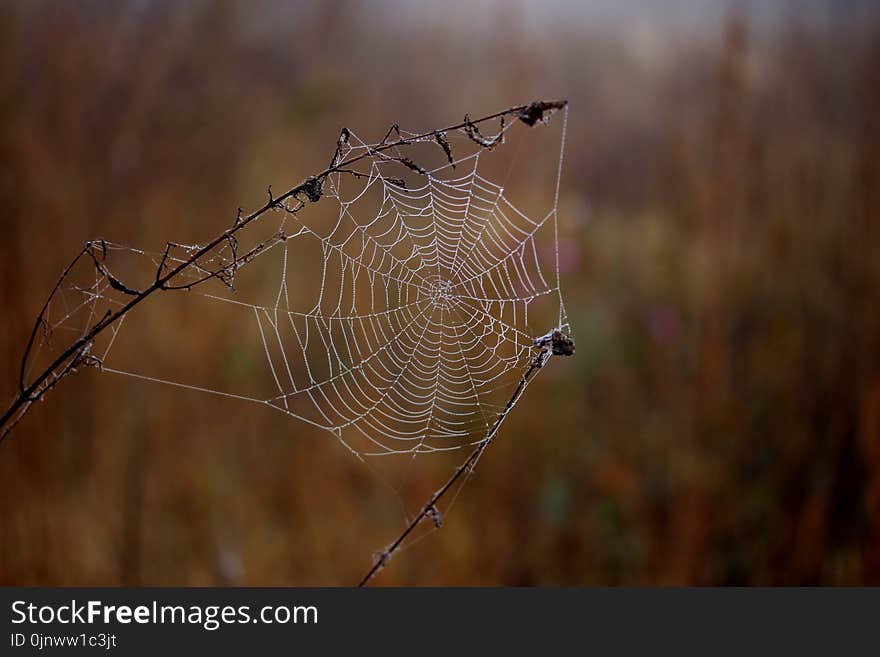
<point>41,321</point>
<point>429,509</point>
<point>310,189</point>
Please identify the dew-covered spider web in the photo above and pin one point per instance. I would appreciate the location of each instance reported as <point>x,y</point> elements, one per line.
<point>395,305</point>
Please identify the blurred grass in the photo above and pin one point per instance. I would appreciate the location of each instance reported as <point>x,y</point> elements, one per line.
<point>720,423</point>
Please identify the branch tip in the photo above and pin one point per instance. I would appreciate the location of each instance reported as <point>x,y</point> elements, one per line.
<point>540,111</point>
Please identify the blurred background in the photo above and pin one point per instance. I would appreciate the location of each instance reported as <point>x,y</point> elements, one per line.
<point>720,422</point>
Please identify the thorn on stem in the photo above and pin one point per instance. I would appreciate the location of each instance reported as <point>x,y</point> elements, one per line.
<point>433,513</point>
<point>394,128</point>
<point>440,137</point>
<point>382,559</point>
<point>344,136</point>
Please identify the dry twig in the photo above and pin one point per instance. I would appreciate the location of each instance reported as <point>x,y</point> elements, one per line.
<point>309,190</point>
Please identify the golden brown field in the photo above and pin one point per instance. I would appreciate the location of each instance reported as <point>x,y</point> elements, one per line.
<point>720,242</point>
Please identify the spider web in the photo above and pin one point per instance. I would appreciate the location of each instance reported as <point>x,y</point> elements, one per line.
<point>401,316</point>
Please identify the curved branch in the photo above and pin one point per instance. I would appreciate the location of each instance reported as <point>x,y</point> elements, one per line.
<point>309,189</point>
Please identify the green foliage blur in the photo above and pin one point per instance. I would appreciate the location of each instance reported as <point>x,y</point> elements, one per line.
<point>720,229</point>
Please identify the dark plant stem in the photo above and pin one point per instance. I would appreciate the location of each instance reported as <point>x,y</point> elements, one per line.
<point>429,510</point>
<point>78,350</point>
